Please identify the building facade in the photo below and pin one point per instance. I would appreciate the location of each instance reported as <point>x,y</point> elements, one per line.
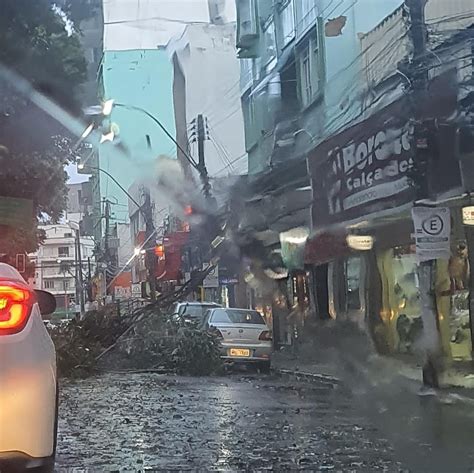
<point>56,265</point>
<point>346,130</point>
<point>204,65</point>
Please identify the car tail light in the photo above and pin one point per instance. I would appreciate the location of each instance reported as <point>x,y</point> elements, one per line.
<point>265,335</point>
<point>16,301</point>
<point>216,332</point>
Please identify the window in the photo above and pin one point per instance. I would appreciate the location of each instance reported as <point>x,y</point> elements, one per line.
<point>287,22</point>
<point>310,71</point>
<point>48,284</point>
<point>353,278</point>
<point>68,235</point>
<point>246,73</point>
<point>269,44</point>
<point>250,121</point>
<point>63,251</point>
<point>229,316</point>
<point>306,16</point>
<point>194,311</point>
<point>65,284</point>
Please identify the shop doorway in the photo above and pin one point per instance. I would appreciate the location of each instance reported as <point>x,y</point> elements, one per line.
<point>321,291</point>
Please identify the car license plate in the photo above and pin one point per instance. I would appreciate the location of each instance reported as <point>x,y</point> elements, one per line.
<point>239,352</point>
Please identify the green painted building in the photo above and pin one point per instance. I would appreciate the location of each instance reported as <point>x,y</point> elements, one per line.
<point>143,79</point>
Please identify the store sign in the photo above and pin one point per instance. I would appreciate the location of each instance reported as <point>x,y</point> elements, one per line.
<point>15,212</point>
<point>136,290</point>
<point>293,243</point>
<point>228,281</point>
<point>364,169</point>
<point>468,215</point>
<point>432,232</point>
<point>212,279</point>
<point>360,242</point>
<point>122,292</point>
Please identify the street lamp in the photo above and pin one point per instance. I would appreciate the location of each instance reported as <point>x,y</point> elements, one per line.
<point>108,106</point>
<point>82,166</point>
<point>107,137</point>
<point>87,131</point>
<point>146,211</point>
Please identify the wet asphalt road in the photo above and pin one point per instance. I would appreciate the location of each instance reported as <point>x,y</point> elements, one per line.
<point>241,422</point>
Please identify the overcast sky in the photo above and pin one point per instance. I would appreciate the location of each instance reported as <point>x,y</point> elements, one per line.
<point>147,24</point>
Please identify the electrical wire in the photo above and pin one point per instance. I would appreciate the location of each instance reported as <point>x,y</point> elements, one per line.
<point>154,18</point>
<point>294,30</point>
<point>351,64</point>
<point>219,153</point>
<point>233,162</point>
<point>212,132</point>
<point>232,113</point>
<point>218,145</point>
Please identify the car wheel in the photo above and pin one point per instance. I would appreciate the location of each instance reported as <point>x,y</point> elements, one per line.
<point>264,367</point>
<point>48,466</point>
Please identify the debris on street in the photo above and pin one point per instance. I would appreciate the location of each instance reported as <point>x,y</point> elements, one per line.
<point>147,338</point>
<point>152,422</point>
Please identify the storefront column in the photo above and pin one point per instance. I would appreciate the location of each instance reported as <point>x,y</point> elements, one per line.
<point>470,246</point>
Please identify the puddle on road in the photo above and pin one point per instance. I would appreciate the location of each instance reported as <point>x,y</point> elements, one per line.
<point>140,422</point>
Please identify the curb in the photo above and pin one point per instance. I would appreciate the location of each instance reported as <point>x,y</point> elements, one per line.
<point>324,378</point>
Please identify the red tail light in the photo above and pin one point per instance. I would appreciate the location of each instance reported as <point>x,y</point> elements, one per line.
<point>265,335</point>
<point>216,332</point>
<point>16,301</point>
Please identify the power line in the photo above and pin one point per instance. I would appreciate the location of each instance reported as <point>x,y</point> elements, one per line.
<point>219,153</point>
<point>219,143</point>
<point>234,161</point>
<point>154,18</point>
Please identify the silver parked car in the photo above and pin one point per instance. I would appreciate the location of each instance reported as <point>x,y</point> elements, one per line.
<point>245,337</point>
<point>193,311</point>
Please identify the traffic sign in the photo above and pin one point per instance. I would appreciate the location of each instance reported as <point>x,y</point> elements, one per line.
<point>432,232</point>
<point>16,212</point>
<point>212,279</point>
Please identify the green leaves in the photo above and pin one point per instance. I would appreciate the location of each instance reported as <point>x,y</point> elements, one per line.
<point>154,340</point>
<point>197,352</point>
<point>35,43</point>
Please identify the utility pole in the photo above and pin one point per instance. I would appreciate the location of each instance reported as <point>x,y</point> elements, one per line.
<point>150,244</point>
<point>76,265</point>
<point>201,137</point>
<point>150,237</point>
<point>79,268</point>
<point>426,269</point>
<point>106,240</point>
<point>89,279</point>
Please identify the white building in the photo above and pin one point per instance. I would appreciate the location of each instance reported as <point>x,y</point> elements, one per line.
<point>206,68</point>
<point>56,262</point>
<point>145,24</point>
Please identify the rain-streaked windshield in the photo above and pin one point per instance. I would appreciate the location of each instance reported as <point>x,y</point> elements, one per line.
<point>246,228</point>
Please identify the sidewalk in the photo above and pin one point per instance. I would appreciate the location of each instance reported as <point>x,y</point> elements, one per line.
<point>424,427</point>
<point>348,357</point>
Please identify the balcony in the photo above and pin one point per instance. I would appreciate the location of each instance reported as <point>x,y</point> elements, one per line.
<point>55,257</point>
<point>247,29</point>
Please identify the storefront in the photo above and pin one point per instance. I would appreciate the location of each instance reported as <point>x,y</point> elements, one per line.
<point>362,187</point>
<point>400,326</point>
<point>379,289</point>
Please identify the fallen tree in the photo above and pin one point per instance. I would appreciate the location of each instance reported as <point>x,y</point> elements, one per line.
<point>148,338</point>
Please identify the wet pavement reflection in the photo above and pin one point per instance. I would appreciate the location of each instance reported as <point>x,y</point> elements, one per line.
<point>240,422</point>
